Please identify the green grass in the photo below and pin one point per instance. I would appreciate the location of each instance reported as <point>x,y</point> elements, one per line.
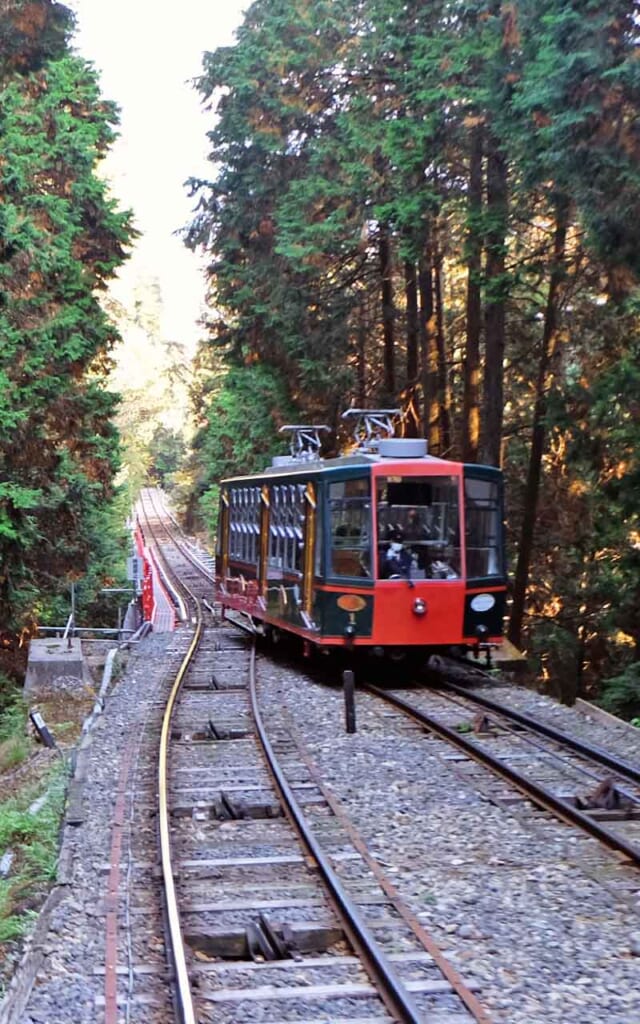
<point>12,719</point>
<point>13,752</point>
<point>14,745</point>
<point>12,926</point>
<point>34,840</point>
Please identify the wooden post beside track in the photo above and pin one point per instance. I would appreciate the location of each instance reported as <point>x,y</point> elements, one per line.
<point>348,682</point>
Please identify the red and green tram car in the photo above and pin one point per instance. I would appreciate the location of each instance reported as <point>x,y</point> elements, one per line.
<point>387,548</point>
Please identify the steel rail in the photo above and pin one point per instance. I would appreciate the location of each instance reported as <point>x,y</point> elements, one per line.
<point>540,795</point>
<point>393,992</point>
<point>594,753</point>
<point>182,547</point>
<point>185,999</point>
<point>202,569</point>
<point>553,751</point>
<point>470,1001</point>
<point>184,995</point>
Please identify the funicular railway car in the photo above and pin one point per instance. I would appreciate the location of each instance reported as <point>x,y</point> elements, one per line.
<point>386,547</point>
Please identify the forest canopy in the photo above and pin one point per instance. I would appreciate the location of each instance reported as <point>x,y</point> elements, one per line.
<point>435,206</point>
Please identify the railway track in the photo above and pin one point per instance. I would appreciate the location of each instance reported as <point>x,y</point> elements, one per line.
<point>580,784</point>
<point>273,900</point>
<point>536,920</point>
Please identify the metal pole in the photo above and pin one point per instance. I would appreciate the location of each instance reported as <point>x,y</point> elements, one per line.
<point>348,682</point>
<point>73,614</point>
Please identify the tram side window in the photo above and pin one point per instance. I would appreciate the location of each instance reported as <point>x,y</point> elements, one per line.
<point>319,542</point>
<point>483,516</point>
<point>350,524</point>
<point>244,524</point>
<point>234,524</point>
<point>286,527</point>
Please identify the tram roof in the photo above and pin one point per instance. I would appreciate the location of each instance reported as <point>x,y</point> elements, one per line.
<point>316,467</point>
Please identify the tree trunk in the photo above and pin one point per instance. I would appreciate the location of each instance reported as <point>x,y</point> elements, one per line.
<point>444,399</point>
<point>471,397</point>
<point>496,293</point>
<point>411,292</point>
<point>388,314</point>
<point>532,489</point>
<point>361,357</point>
<point>428,351</point>
<point>412,410</point>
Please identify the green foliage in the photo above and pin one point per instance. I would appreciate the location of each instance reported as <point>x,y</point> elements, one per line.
<point>244,418</point>
<point>12,926</point>
<point>106,565</point>
<point>621,694</point>
<point>12,717</point>
<point>580,85</point>
<point>273,286</point>
<point>342,126</point>
<point>167,452</point>
<point>34,838</point>
<point>31,34</point>
<point>338,124</point>
<point>241,433</point>
<point>61,239</point>
<point>464,727</point>
<point>8,695</point>
<point>13,713</point>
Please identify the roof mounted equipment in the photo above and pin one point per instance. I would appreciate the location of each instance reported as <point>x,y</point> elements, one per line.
<point>304,443</point>
<point>371,426</point>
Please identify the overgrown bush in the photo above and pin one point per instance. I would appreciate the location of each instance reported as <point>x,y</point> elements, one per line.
<point>33,835</point>
<point>9,693</point>
<point>621,693</point>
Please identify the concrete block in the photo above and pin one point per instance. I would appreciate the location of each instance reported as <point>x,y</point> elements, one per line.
<point>133,617</point>
<point>55,665</point>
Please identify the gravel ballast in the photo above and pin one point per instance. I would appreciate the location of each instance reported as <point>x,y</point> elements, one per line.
<point>68,947</point>
<point>544,920</point>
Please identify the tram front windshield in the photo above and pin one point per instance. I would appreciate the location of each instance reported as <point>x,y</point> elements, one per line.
<point>418,528</point>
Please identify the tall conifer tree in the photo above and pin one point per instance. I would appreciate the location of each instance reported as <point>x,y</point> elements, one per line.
<point>61,238</point>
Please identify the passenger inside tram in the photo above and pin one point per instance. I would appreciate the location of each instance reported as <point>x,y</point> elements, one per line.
<point>418,536</point>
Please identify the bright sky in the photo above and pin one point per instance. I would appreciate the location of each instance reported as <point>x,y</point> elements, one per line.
<point>147,52</point>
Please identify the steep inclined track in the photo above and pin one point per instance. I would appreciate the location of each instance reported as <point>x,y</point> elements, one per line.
<point>276,910</point>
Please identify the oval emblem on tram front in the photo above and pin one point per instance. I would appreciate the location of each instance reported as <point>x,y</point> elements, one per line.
<point>351,603</point>
<point>482,602</point>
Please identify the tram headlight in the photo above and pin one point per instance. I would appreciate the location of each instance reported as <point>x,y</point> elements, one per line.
<point>350,633</point>
<point>419,606</point>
